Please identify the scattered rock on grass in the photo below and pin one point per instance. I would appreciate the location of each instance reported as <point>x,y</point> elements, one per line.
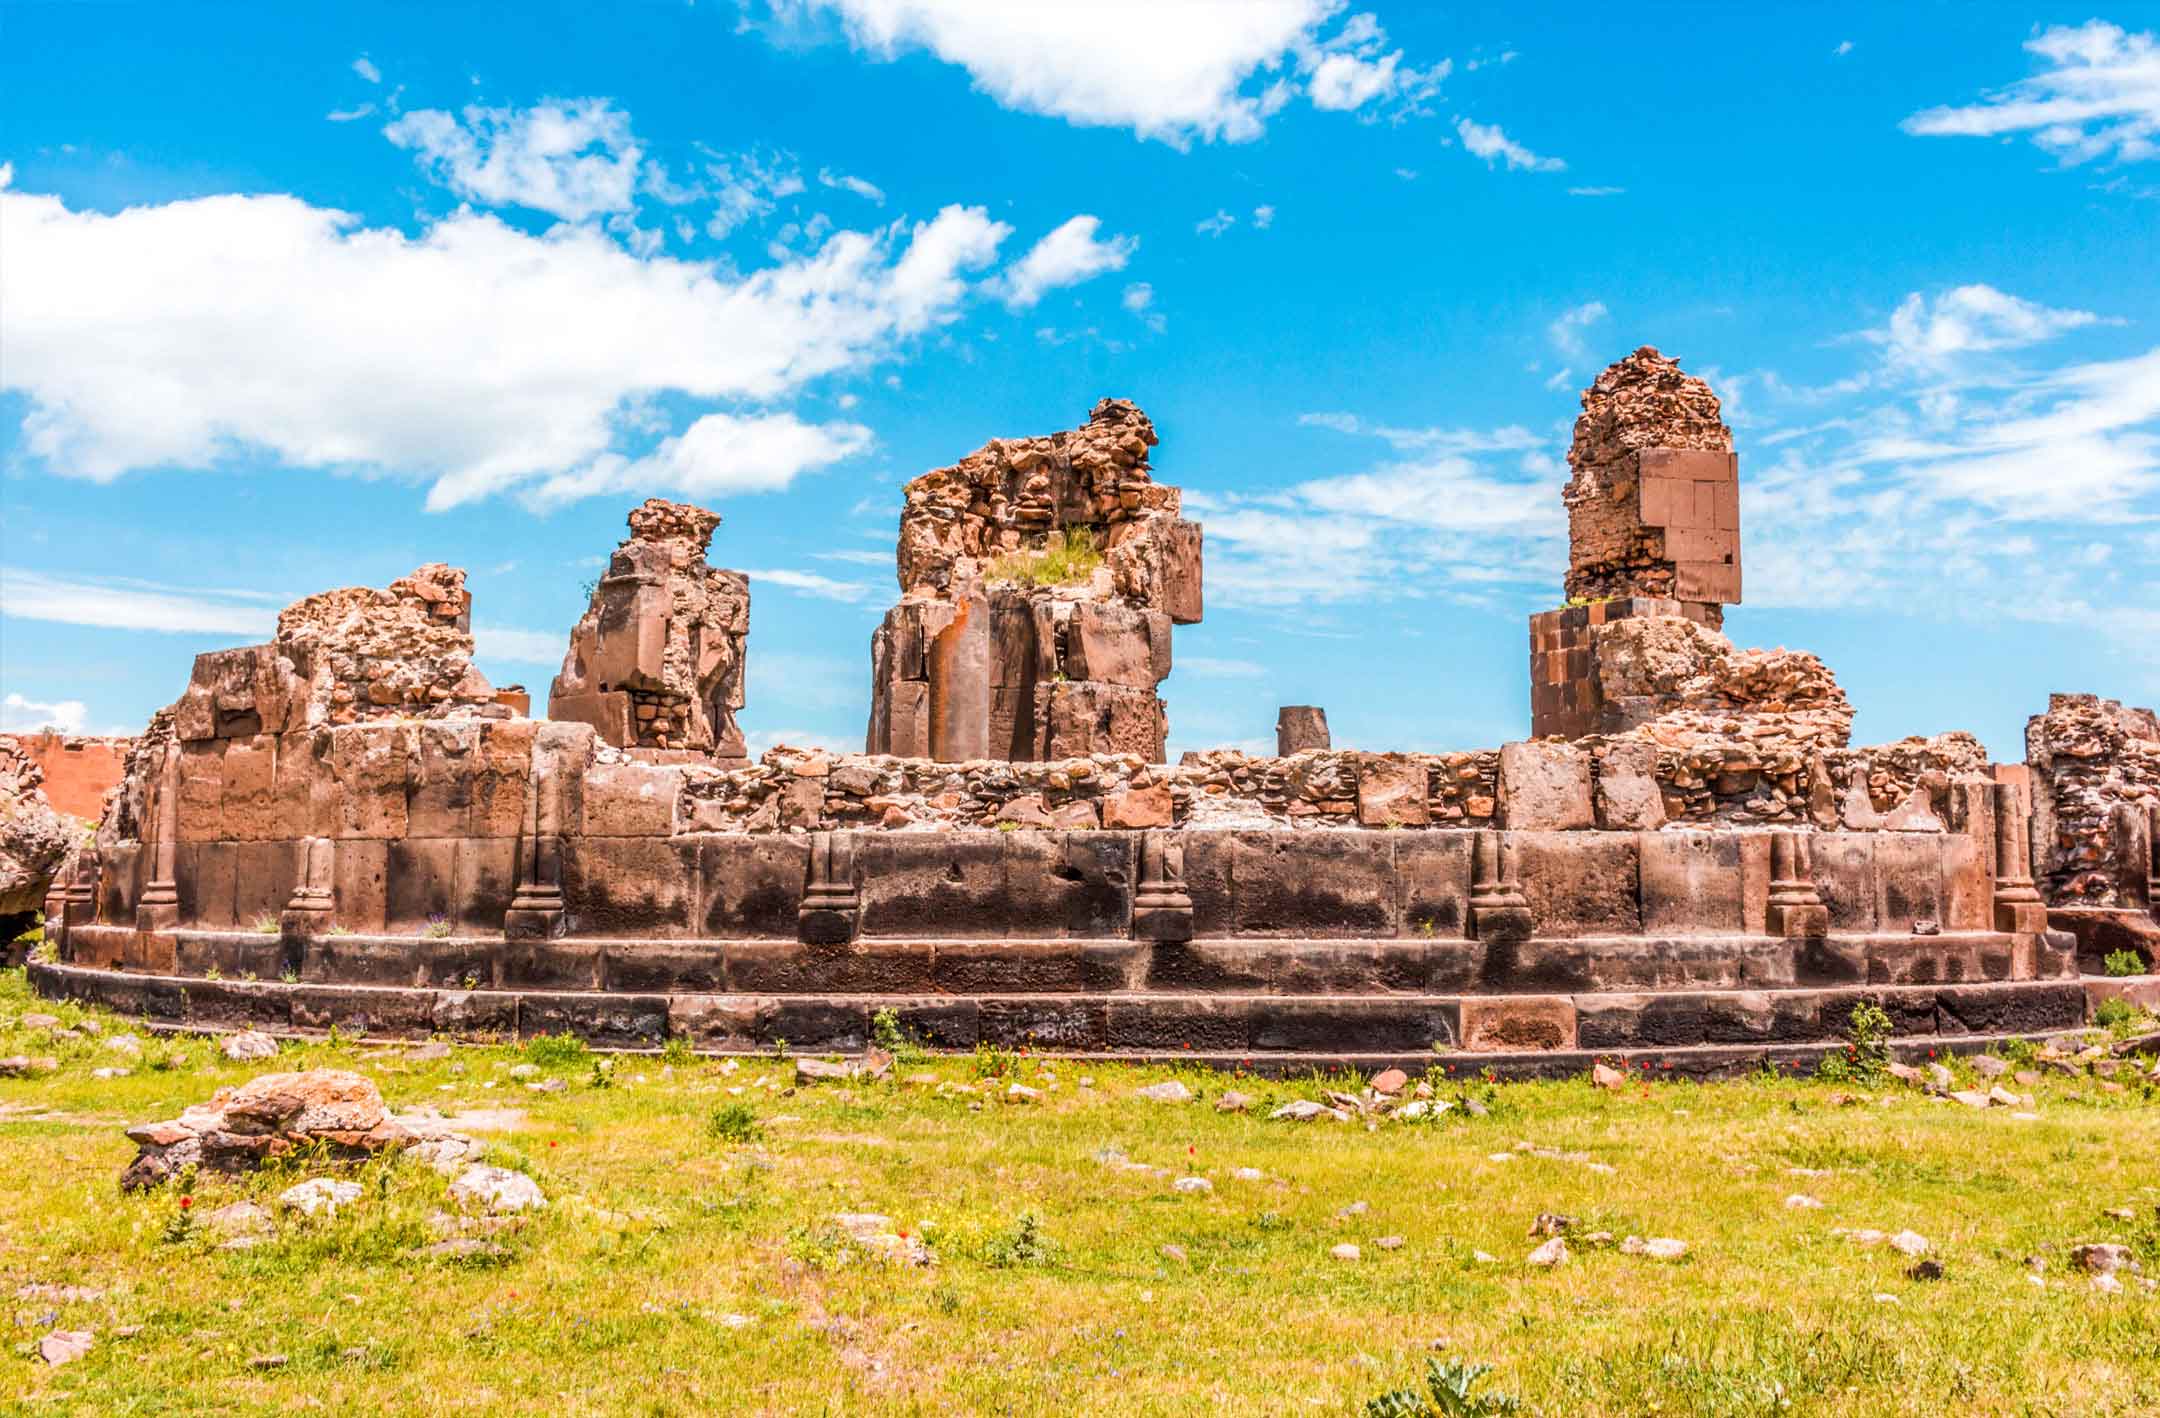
<point>1305,1110</point>
<point>1346,1251</point>
<point>1910,1243</point>
<point>1233,1102</point>
<point>1553,1252</point>
<point>1390,1082</point>
<point>21,1066</point>
<point>2102,1258</point>
<point>1607,1077</point>
<point>1195,1186</point>
<point>64,1346</point>
<point>248,1046</point>
<point>1657,1247</point>
<point>496,1190</point>
<point>1168,1091</point>
<point>1800,1201</point>
<point>319,1194</point>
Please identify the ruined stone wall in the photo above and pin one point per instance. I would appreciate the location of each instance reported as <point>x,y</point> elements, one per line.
<point>2095,766</point>
<point>1654,503</point>
<point>34,839</point>
<point>1009,642</point>
<point>79,769</point>
<point>657,660</point>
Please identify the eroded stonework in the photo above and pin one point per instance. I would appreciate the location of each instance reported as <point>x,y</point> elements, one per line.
<point>2096,792</point>
<point>656,661</point>
<point>1040,578</point>
<point>1654,503</point>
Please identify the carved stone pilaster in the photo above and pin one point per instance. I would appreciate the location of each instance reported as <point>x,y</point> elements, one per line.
<point>1162,907</point>
<point>314,900</point>
<point>2152,868</point>
<point>536,910</point>
<point>831,909</point>
<point>2018,907</point>
<point>1796,909</point>
<point>1498,910</point>
<point>157,909</point>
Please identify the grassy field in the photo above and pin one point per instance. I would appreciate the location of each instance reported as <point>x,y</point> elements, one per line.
<point>688,1261</point>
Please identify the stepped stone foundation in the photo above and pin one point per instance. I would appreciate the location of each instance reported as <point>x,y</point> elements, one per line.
<point>348,828</point>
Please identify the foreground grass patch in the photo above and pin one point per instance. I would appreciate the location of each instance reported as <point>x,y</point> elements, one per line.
<point>692,1259</point>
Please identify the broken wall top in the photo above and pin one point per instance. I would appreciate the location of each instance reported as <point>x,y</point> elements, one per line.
<point>344,656</point>
<point>1653,503</point>
<point>657,659</point>
<point>1013,495</point>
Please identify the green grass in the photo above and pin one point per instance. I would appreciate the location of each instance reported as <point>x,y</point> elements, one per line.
<point>1065,559</point>
<point>684,1267</point>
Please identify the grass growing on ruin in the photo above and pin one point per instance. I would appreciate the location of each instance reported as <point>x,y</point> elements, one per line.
<point>689,1261</point>
<point>1067,558</point>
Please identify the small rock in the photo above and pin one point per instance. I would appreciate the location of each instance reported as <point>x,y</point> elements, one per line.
<point>1413,1110</point>
<point>1233,1101</point>
<point>1390,1243</point>
<point>1799,1201</point>
<point>1192,1186</point>
<point>1021,1093</point>
<point>496,1190</point>
<point>319,1194</point>
<point>248,1046</point>
<point>1553,1252</point>
<point>1346,1251</point>
<point>1607,1077</point>
<point>110,1072</point>
<point>1304,1110</point>
<point>1657,1247</point>
<point>20,1065</point>
<point>2102,1258</point>
<point>2107,1284</point>
<point>1390,1082</point>
<point>40,1021</point>
<point>1910,1243</point>
<point>1941,1077</point>
<point>2004,1098</point>
<point>525,1070</point>
<point>1176,1253</point>
<point>1484,1258</point>
<point>822,1071</point>
<point>1168,1091</point>
<point>125,1044</point>
<point>64,1346</point>
<point>1988,1066</point>
<point>463,1248</point>
<point>1925,1270</point>
<point>1355,1208</point>
<point>432,1050</point>
<point>1971,1098</point>
<point>239,1218</point>
<point>1552,1223</point>
<point>1249,1174</point>
<point>267,1361</point>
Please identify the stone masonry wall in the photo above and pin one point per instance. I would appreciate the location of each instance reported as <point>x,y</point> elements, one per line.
<point>2095,767</point>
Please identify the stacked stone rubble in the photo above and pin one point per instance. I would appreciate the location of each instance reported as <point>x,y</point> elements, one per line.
<point>34,840</point>
<point>980,659</point>
<point>656,662</point>
<point>2095,767</point>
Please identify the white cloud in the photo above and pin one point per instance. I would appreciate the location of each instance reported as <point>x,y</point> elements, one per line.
<point>812,584</point>
<point>348,115</point>
<point>1209,667</point>
<point>365,68</point>
<point>2098,95</point>
<point>522,647</point>
<point>571,159</point>
<point>719,454</point>
<point>1485,140</point>
<point>1216,225</point>
<point>1139,296</point>
<point>474,354</point>
<point>1924,333</point>
<point>1263,217</point>
<point>868,191</point>
<point>1451,442</point>
<point>1170,70</point>
<point>1067,256</point>
<point>27,716</point>
<point>1844,48</point>
<point>759,742</point>
<point>880,559</point>
<point>1567,330</point>
<point>122,604</point>
<point>1595,191</point>
<point>747,185</point>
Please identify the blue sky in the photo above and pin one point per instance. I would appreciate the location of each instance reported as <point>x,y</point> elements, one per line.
<point>293,297</point>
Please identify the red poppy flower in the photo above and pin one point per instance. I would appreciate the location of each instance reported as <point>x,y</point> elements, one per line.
<point>186,1202</point>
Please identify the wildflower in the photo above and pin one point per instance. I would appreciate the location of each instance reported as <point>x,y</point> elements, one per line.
<point>186,1202</point>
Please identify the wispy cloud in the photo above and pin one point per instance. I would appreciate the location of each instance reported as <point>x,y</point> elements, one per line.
<point>1567,328</point>
<point>809,583</point>
<point>1216,225</point>
<point>2097,94</point>
<point>1487,141</point>
<point>119,604</point>
<point>1067,256</point>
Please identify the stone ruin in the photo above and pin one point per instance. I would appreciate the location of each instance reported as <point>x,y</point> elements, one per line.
<point>1687,863</point>
<point>1039,580</point>
<point>656,662</point>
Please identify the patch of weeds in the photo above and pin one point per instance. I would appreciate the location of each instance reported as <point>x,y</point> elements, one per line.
<point>1866,1059</point>
<point>677,1053</point>
<point>1064,559</point>
<point>288,976</point>
<point>889,1034</point>
<point>820,1247</point>
<point>266,923</point>
<point>603,1074</point>
<point>338,930</point>
<point>2123,962</point>
<point>1448,1394</point>
<point>2019,1053</point>
<point>993,1062</point>
<point>1020,1244</point>
<point>734,1123</point>
<point>2116,1014</point>
<point>1270,1221</point>
<point>557,1050</point>
<point>438,926</point>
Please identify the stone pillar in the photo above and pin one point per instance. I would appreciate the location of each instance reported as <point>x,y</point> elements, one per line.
<point>1162,907</point>
<point>2152,868</point>
<point>831,911</point>
<point>314,900</point>
<point>536,911</point>
<point>958,661</point>
<point>2018,907</point>
<point>1498,911</point>
<point>1796,908</point>
<point>157,910</point>
<point>1300,728</point>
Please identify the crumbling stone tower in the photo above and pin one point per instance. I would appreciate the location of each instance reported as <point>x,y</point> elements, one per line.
<point>656,661</point>
<point>1653,560</point>
<point>1039,578</point>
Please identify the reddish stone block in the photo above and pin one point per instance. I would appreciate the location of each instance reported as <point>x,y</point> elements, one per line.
<point>1691,883</point>
<point>264,875</point>
<point>206,873</point>
<point>440,802</point>
<point>420,884</point>
<point>1137,808</point>
<point>202,791</point>
<point>1580,884</point>
<point>1391,791</point>
<point>374,767</point>
<point>1545,787</point>
<point>1515,1023</point>
<point>361,871</point>
<point>500,773</point>
<point>250,807</point>
<point>630,799</point>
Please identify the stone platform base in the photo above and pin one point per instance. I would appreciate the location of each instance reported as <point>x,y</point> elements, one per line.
<point>1694,1030</point>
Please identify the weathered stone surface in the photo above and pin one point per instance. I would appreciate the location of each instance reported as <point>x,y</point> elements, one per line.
<point>1040,578</point>
<point>657,659</point>
<point>2095,771</point>
<point>34,840</point>
<point>1300,728</point>
<point>1545,787</point>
